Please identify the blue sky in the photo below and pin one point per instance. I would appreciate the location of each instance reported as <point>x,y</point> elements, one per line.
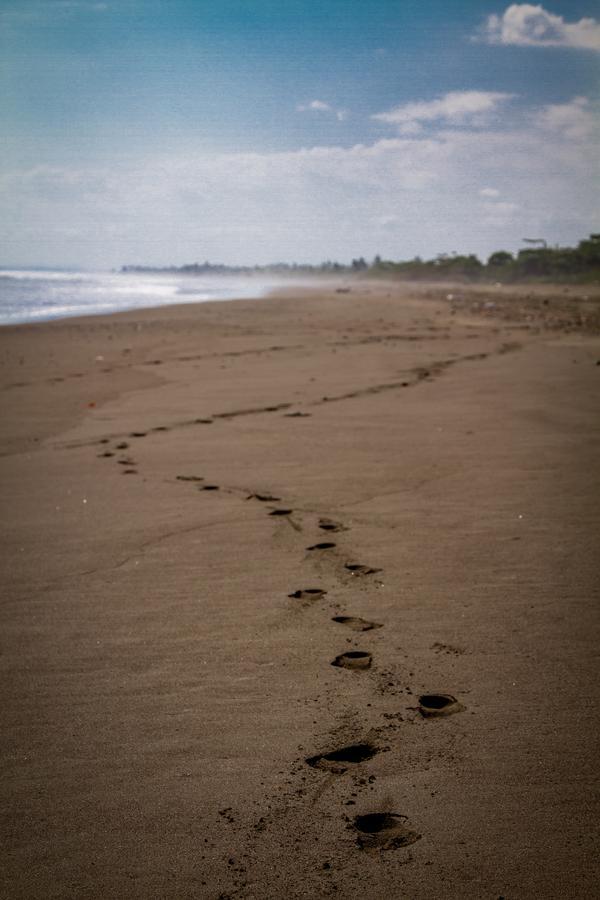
<point>165,131</point>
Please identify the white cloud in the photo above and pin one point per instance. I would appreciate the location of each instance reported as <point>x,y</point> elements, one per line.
<point>524,24</point>
<point>574,119</point>
<point>408,128</point>
<point>321,106</point>
<point>318,105</point>
<point>456,107</point>
<point>489,193</point>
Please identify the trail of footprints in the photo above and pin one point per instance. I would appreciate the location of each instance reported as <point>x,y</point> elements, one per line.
<point>375,832</point>
<point>383,830</point>
<point>415,376</point>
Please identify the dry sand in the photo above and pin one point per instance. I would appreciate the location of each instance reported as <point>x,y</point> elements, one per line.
<point>162,690</point>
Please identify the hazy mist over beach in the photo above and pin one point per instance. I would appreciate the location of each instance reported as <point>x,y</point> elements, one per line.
<point>145,132</point>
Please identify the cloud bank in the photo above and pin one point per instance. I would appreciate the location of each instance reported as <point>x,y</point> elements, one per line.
<point>526,25</point>
<point>452,189</point>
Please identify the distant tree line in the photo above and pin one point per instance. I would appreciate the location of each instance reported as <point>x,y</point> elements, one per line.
<point>540,263</point>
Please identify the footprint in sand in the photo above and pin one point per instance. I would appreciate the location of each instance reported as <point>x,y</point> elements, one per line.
<point>308,594</point>
<point>354,659</point>
<point>358,569</point>
<point>122,446</point>
<point>105,454</point>
<point>281,512</point>
<point>338,761</point>
<point>189,478</point>
<point>324,545</point>
<point>209,487</point>
<point>448,649</point>
<point>264,498</point>
<point>383,831</point>
<point>138,434</point>
<point>431,705</point>
<point>330,525</point>
<point>356,623</point>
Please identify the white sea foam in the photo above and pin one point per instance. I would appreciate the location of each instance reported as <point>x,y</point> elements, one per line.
<point>38,295</point>
<point>40,275</point>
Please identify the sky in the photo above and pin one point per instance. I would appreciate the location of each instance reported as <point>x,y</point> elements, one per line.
<point>165,132</point>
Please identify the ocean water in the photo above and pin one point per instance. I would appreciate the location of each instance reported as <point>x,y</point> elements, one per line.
<point>36,295</point>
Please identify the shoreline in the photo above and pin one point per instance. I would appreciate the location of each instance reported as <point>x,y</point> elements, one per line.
<point>172,620</point>
<point>571,297</point>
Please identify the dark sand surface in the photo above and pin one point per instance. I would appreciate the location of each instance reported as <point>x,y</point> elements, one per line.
<point>161,691</point>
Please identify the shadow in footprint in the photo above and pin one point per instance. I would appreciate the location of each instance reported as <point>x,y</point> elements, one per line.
<point>431,705</point>
<point>308,594</point>
<point>203,421</point>
<point>189,478</point>
<point>330,525</point>
<point>338,761</point>
<point>210,487</point>
<point>353,659</point>
<point>281,512</point>
<point>138,434</point>
<point>105,454</point>
<point>324,545</point>
<point>358,569</point>
<point>356,623</point>
<point>264,498</point>
<point>122,446</point>
<point>297,415</point>
<point>383,831</point>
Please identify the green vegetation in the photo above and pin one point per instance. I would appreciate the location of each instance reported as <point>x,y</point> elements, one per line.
<point>540,263</point>
<point>581,263</point>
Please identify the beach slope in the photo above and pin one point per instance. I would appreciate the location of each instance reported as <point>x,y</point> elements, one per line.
<point>299,599</point>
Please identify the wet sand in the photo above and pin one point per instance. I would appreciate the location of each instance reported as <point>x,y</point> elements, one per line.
<point>300,598</point>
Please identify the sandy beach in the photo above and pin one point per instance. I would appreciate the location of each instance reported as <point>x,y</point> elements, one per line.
<point>299,598</point>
